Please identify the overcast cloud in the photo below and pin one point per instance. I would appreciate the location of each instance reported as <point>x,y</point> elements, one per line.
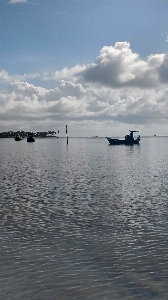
<point>118,88</point>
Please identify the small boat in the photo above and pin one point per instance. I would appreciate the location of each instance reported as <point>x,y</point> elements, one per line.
<point>30,138</point>
<point>129,139</point>
<point>18,137</point>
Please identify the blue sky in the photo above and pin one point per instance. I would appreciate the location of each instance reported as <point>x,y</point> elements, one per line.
<point>51,60</point>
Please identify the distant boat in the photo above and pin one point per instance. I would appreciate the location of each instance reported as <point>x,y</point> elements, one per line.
<point>129,139</point>
<point>18,137</point>
<point>30,138</point>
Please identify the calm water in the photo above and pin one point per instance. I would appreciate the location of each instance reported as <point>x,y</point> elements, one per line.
<point>83,221</point>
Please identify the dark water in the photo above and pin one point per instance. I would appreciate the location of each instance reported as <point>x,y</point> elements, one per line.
<point>83,221</point>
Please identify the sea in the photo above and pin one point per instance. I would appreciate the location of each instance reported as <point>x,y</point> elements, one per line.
<point>83,221</point>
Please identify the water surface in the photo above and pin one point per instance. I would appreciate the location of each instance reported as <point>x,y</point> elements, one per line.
<point>84,220</point>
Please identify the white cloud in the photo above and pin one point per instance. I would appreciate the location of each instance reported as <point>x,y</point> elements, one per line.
<point>119,67</point>
<point>64,73</point>
<point>165,36</point>
<point>17,1</point>
<point>118,88</point>
<point>27,103</point>
<point>5,77</point>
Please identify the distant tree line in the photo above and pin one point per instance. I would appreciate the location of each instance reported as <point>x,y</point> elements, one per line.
<point>12,134</point>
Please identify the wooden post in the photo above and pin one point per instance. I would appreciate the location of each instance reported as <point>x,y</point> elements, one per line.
<point>67,133</point>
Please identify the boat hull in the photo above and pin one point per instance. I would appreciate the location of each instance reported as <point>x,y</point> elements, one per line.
<point>122,142</point>
<point>18,138</point>
<point>30,139</point>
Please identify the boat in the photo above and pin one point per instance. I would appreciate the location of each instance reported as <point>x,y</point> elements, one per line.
<point>30,138</point>
<point>129,139</point>
<point>18,137</point>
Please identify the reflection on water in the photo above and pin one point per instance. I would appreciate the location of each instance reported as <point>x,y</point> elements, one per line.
<point>83,221</point>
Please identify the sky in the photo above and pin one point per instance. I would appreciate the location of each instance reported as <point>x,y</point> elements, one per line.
<point>98,66</point>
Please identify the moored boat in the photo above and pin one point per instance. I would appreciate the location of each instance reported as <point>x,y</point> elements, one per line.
<point>129,139</point>
<point>31,138</point>
<point>18,137</point>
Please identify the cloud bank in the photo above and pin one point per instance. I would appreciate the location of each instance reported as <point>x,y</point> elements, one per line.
<point>119,88</point>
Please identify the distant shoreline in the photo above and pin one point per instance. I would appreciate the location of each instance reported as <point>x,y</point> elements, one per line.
<point>38,137</point>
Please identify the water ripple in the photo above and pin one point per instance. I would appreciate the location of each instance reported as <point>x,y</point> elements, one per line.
<point>87,221</point>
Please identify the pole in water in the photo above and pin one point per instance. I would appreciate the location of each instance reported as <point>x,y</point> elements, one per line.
<point>67,133</point>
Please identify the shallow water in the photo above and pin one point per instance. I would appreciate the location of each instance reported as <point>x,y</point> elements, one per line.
<point>84,220</point>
